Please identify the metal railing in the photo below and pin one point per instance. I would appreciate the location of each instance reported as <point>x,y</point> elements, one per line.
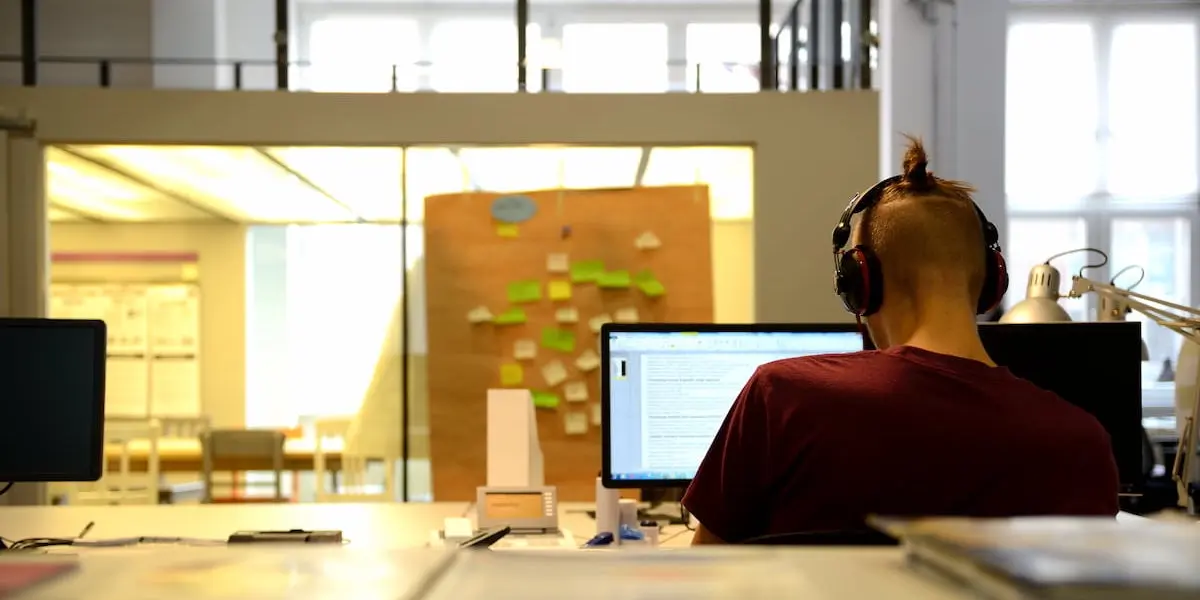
<point>810,45</point>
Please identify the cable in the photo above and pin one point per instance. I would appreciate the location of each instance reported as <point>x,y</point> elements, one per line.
<point>7,486</point>
<point>1103,258</point>
<point>1113,281</point>
<point>674,535</point>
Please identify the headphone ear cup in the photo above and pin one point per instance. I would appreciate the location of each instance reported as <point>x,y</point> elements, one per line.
<point>860,281</point>
<point>995,282</point>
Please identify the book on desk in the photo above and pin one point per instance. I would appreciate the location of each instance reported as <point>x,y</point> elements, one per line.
<point>1056,558</point>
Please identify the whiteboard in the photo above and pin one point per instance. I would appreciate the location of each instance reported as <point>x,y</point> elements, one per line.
<point>153,365</point>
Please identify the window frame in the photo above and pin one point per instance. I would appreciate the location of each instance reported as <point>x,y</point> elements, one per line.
<point>1100,209</point>
<point>550,18</point>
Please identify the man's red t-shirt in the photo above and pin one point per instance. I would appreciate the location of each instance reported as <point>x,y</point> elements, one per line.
<point>819,443</point>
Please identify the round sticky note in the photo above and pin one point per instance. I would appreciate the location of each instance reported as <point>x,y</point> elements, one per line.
<point>513,209</point>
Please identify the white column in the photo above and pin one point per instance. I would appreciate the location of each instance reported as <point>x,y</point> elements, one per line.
<point>942,73</point>
<point>25,257</point>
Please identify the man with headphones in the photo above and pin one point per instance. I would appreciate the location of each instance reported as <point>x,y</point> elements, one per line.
<point>927,425</point>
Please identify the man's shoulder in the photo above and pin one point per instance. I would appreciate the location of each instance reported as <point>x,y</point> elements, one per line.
<point>818,366</point>
<point>821,375</point>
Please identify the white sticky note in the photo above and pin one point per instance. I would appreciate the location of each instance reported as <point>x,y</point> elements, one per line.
<point>479,314</point>
<point>558,263</point>
<point>626,315</point>
<point>598,321</point>
<point>554,373</point>
<point>566,315</point>
<point>575,423</point>
<point>597,414</point>
<point>647,241</point>
<point>575,391</point>
<point>524,349</point>
<point>588,361</point>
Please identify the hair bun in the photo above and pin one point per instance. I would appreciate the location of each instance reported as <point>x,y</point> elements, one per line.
<point>916,166</point>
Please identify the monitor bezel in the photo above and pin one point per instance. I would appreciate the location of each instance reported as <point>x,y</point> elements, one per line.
<point>605,397</point>
<point>100,350</point>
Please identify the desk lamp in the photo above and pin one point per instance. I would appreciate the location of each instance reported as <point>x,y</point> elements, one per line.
<point>1115,302</point>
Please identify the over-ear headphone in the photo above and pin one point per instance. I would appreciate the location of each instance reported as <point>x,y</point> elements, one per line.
<point>858,275</point>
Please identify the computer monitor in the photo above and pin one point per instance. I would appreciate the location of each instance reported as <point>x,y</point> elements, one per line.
<point>51,399</point>
<point>1095,366</point>
<point>666,388</point>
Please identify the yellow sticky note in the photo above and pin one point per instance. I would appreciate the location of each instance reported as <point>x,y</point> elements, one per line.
<point>511,374</point>
<point>559,290</point>
<point>507,230</point>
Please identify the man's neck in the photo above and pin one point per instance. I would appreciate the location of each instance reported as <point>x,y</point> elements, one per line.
<point>944,328</point>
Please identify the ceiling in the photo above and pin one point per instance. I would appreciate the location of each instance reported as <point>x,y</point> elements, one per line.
<point>271,185</point>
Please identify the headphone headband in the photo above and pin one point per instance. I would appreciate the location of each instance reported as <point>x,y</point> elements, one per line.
<point>865,200</point>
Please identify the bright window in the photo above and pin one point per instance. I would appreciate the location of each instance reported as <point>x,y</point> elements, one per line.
<point>1102,130</point>
<point>606,58</point>
<point>339,286</point>
<point>1152,112</point>
<point>359,55</point>
<point>723,56</point>
<point>1033,240</point>
<point>1051,124</point>
<point>480,56</point>
<point>1161,246</point>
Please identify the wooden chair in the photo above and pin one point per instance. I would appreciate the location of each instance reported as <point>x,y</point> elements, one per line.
<point>184,428</point>
<point>125,485</point>
<point>245,450</point>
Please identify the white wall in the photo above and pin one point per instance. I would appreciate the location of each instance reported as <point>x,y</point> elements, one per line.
<point>943,79</point>
<point>141,29</point>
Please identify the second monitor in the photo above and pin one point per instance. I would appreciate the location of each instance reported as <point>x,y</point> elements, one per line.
<point>666,389</point>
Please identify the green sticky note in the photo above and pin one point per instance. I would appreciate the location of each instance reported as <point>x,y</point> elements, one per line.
<point>558,339</point>
<point>545,400</point>
<point>512,316</point>
<point>521,292</point>
<point>586,271</point>
<point>614,279</point>
<point>649,284</point>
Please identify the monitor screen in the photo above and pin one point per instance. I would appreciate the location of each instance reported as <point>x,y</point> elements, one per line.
<point>1095,366</point>
<point>667,388</point>
<point>51,399</point>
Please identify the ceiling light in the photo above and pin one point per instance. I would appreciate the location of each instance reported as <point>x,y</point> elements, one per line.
<point>237,181</point>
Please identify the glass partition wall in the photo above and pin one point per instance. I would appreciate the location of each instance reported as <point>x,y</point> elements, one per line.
<point>308,268</point>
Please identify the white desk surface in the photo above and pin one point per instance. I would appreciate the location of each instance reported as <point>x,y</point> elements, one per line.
<point>816,573</point>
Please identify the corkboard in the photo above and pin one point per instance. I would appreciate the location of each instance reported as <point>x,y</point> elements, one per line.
<point>469,264</point>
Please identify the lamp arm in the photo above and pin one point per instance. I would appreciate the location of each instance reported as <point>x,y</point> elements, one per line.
<point>1185,321</point>
<point>1181,319</point>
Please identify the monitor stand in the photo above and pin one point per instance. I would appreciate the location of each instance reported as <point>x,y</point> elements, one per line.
<point>664,505</point>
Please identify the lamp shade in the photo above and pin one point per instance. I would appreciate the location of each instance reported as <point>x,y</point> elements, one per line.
<point>1041,299</point>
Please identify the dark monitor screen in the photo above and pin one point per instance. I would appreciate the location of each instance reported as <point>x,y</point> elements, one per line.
<point>1095,366</point>
<point>51,399</point>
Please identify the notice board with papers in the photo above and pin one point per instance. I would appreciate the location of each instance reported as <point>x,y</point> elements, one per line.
<point>518,286</point>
